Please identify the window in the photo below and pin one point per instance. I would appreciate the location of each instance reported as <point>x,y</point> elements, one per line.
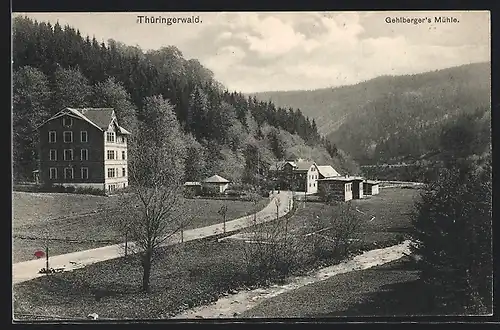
<point>111,154</point>
<point>111,172</point>
<point>111,187</point>
<point>68,173</point>
<point>68,137</point>
<point>123,171</point>
<point>52,137</point>
<point>84,136</point>
<point>84,154</point>
<point>67,121</point>
<point>84,172</point>
<point>53,173</point>
<point>68,154</point>
<point>53,154</point>
<point>314,184</point>
<point>110,136</point>
<point>123,154</point>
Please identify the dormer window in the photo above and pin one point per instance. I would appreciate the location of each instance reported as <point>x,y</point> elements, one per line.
<point>67,121</point>
<point>110,136</point>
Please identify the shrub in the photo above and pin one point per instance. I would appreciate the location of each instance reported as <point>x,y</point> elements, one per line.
<point>233,193</point>
<point>333,231</point>
<point>89,191</point>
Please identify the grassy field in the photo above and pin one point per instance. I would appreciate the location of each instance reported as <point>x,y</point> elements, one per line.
<point>34,208</point>
<point>392,289</point>
<point>183,276</point>
<point>39,215</point>
<point>385,218</point>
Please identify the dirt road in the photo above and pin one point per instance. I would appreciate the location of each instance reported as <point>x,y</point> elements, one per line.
<point>28,270</point>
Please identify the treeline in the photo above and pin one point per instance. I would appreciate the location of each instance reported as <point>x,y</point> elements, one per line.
<point>224,132</point>
<point>406,121</point>
<point>464,136</point>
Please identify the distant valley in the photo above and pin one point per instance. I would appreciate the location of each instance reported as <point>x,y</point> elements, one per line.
<point>395,118</point>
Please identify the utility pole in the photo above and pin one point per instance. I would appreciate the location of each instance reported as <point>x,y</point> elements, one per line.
<point>223,211</point>
<point>277,201</point>
<point>47,251</point>
<point>255,202</point>
<point>258,169</point>
<point>126,242</point>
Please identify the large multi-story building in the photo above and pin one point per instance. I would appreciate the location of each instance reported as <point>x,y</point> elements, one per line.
<point>84,148</point>
<point>298,175</point>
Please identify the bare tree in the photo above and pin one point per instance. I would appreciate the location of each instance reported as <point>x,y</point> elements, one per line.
<point>269,251</point>
<point>155,208</point>
<point>333,230</point>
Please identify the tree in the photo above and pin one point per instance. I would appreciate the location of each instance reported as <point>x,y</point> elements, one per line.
<point>276,143</point>
<point>71,89</point>
<point>156,168</point>
<point>112,94</point>
<point>195,166</point>
<point>31,94</point>
<point>333,230</point>
<point>272,252</point>
<point>453,225</point>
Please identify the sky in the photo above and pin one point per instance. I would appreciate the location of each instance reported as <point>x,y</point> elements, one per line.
<point>266,51</point>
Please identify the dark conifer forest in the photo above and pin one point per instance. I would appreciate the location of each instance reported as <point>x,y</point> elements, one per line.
<point>224,131</point>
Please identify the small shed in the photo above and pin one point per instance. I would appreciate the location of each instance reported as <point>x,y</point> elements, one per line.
<point>215,184</point>
<point>371,187</point>
<point>336,188</point>
<point>192,188</point>
<point>357,188</point>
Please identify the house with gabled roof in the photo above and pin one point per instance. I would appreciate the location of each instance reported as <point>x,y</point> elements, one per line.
<point>215,184</point>
<point>296,175</point>
<point>84,147</point>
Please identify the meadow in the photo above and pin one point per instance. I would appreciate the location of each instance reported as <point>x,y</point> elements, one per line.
<point>74,222</point>
<point>194,273</point>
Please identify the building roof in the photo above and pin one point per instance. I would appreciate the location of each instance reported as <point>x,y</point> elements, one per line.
<point>102,117</point>
<point>339,178</point>
<point>216,179</point>
<point>327,171</point>
<point>278,166</point>
<point>303,165</point>
<point>123,130</point>
<point>372,182</point>
<point>192,183</point>
<point>98,117</point>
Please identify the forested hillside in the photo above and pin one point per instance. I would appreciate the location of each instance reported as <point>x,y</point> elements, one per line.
<point>221,131</point>
<point>396,118</point>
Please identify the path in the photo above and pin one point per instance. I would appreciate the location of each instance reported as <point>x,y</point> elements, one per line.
<point>235,304</point>
<point>28,270</point>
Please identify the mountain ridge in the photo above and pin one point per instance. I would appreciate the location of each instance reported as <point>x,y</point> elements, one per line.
<point>390,118</point>
<point>339,101</point>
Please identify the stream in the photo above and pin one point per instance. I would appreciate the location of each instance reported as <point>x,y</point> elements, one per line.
<point>234,304</point>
